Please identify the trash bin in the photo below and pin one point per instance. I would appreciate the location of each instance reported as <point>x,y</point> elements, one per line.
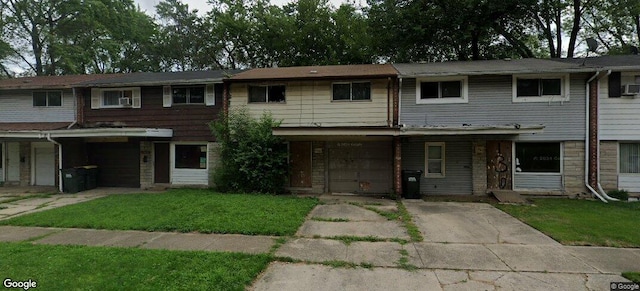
<point>91,177</point>
<point>73,180</point>
<point>411,184</point>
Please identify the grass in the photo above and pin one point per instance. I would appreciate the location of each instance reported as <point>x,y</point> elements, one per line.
<point>582,222</point>
<point>412,228</point>
<point>632,276</point>
<point>182,210</point>
<point>101,268</point>
<point>18,197</point>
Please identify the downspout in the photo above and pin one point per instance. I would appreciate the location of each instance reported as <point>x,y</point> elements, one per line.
<point>586,139</point>
<point>59,161</point>
<point>602,192</point>
<point>389,101</point>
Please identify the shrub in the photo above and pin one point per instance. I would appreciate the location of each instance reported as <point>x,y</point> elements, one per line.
<point>620,194</point>
<point>252,159</point>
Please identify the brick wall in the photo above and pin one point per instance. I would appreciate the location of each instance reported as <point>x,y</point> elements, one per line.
<point>146,168</point>
<point>609,165</point>
<point>574,152</point>
<point>25,163</point>
<point>479,167</point>
<point>318,167</point>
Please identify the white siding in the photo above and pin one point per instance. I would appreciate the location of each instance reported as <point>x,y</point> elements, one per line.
<point>531,181</point>
<point>189,176</point>
<point>17,106</point>
<point>629,182</point>
<point>619,117</point>
<point>309,103</point>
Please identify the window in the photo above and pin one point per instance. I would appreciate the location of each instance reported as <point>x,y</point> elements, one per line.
<point>441,90</point>
<point>352,91</point>
<point>538,157</point>
<point>191,156</point>
<point>187,95</point>
<point>434,160</point>
<point>540,89</point>
<point>47,99</point>
<point>111,98</point>
<point>630,158</point>
<point>267,94</point>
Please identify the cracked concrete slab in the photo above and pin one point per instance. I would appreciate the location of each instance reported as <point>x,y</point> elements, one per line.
<point>16,233</point>
<point>94,237</point>
<point>602,281</point>
<point>537,258</point>
<point>447,277</point>
<point>458,256</point>
<point>379,254</point>
<point>541,281</point>
<point>284,276</point>
<point>211,242</point>
<point>380,229</point>
<point>607,260</point>
<point>314,250</point>
<point>346,211</point>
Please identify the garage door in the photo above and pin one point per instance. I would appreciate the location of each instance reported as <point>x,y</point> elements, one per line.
<point>360,167</point>
<point>118,163</point>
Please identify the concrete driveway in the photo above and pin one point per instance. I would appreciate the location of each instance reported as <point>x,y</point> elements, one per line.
<point>467,246</point>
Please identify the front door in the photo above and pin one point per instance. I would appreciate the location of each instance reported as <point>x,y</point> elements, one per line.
<point>161,163</point>
<point>300,163</point>
<point>13,162</point>
<point>44,161</point>
<point>499,165</point>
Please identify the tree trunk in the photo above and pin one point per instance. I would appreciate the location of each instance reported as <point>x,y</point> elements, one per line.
<point>37,50</point>
<point>577,14</point>
<point>558,14</point>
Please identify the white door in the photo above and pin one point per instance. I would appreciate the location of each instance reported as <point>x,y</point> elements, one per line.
<point>13,162</point>
<point>44,164</point>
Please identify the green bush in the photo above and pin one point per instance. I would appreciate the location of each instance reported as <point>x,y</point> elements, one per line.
<point>621,194</point>
<point>252,159</point>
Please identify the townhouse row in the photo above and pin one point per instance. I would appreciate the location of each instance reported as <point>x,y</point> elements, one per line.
<point>535,126</point>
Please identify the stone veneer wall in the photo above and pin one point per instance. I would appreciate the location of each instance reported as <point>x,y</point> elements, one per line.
<point>146,168</point>
<point>213,161</point>
<point>479,167</point>
<point>609,165</point>
<point>574,155</point>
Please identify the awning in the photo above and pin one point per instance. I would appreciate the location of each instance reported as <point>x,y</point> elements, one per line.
<point>508,129</point>
<point>89,132</point>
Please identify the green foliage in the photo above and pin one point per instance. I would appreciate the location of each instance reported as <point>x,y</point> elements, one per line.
<point>105,268</point>
<point>621,194</point>
<point>182,210</point>
<point>252,159</point>
<point>633,276</point>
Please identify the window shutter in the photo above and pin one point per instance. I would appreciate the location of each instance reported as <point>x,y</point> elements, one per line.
<point>210,95</point>
<point>615,83</point>
<point>166,96</point>
<point>95,98</point>
<point>136,99</point>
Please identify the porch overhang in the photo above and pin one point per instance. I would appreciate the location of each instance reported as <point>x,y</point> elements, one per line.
<point>335,131</point>
<point>508,129</point>
<point>89,132</point>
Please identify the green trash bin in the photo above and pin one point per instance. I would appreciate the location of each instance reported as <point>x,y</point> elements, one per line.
<point>411,184</point>
<point>73,180</point>
<point>91,177</point>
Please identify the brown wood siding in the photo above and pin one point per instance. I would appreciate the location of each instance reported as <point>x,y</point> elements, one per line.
<point>499,174</point>
<point>118,163</point>
<point>189,122</point>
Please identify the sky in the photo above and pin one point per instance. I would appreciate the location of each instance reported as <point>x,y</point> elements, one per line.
<point>203,6</point>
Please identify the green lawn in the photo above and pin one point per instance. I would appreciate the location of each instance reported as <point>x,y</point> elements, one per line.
<point>183,210</point>
<point>633,276</point>
<point>101,268</point>
<point>582,222</point>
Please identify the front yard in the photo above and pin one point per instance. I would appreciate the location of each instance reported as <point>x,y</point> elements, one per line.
<point>582,222</point>
<point>181,210</point>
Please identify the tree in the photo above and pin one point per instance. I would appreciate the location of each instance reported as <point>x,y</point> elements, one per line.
<point>614,23</point>
<point>252,159</point>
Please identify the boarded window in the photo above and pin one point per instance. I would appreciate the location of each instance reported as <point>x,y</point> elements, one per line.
<point>538,157</point>
<point>351,91</point>
<point>630,158</point>
<point>191,156</point>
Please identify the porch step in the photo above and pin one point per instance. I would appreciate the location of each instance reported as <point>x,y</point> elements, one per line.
<point>508,196</point>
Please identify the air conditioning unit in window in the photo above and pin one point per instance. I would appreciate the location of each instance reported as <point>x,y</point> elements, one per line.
<point>125,102</point>
<point>630,90</point>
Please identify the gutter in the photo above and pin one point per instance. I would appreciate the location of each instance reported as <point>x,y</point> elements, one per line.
<point>59,161</point>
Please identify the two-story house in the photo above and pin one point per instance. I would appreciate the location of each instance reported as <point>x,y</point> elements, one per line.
<point>160,127</point>
<point>481,126</point>
<point>339,122</point>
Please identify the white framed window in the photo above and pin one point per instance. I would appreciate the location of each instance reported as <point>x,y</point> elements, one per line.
<point>629,158</point>
<point>190,156</point>
<point>116,98</point>
<point>538,157</point>
<point>187,94</point>
<point>267,93</point>
<point>442,90</point>
<point>47,98</point>
<point>541,88</point>
<point>434,159</point>
<point>351,91</point>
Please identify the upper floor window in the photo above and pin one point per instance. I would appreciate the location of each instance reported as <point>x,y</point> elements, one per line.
<point>47,99</point>
<point>187,95</point>
<point>116,98</point>
<point>267,94</point>
<point>441,90</point>
<point>540,88</point>
<point>351,91</point>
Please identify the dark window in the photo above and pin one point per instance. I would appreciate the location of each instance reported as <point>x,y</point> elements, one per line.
<point>191,157</point>
<point>446,89</point>
<point>630,158</point>
<point>264,94</point>
<point>352,91</point>
<point>538,157</point>
<point>615,84</point>
<point>48,98</point>
<point>188,95</point>
<point>539,87</point>
<point>341,91</point>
